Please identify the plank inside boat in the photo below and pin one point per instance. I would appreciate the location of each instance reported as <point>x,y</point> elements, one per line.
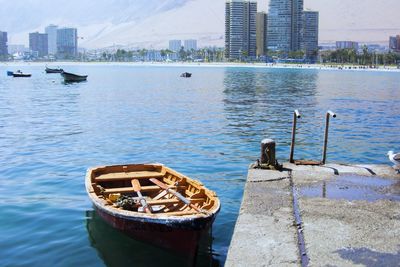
<point>128,176</point>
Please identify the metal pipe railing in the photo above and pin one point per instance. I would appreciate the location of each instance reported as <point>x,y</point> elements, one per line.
<point>328,115</point>
<point>296,115</point>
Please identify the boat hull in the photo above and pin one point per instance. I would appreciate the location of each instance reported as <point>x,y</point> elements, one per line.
<point>181,239</point>
<point>186,75</point>
<point>10,73</point>
<point>21,75</point>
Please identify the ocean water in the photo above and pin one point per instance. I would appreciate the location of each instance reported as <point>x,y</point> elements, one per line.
<point>208,127</point>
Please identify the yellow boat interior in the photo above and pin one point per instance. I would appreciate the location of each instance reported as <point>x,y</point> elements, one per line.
<point>152,189</point>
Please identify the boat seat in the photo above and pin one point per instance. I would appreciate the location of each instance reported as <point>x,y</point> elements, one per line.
<point>131,190</point>
<point>119,176</point>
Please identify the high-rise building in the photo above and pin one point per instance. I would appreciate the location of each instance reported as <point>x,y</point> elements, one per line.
<point>3,46</point>
<point>190,44</point>
<point>262,24</point>
<point>240,29</point>
<point>392,43</point>
<point>38,43</point>
<point>67,43</point>
<point>310,34</point>
<point>285,25</point>
<point>347,45</point>
<point>12,49</point>
<point>175,45</point>
<point>51,31</point>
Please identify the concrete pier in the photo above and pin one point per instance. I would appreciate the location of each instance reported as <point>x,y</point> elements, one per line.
<point>331,215</point>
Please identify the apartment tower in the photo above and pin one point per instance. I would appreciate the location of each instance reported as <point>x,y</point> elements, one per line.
<point>240,29</point>
<point>67,43</point>
<point>285,25</point>
<point>3,46</point>
<point>51,31</point>
<point>310,34</point>
<point>38,42</point>
<point>190,45</point>
<point>262,24</point>
<point>175,45</point>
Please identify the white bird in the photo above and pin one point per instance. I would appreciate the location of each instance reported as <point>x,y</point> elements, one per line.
<point>395,158</point>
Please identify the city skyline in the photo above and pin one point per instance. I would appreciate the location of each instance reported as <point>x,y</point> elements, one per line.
<point>151,24</point>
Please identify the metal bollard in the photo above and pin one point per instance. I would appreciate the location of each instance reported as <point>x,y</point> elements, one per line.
<point>296,115</point>
<point>268,158</point>
<point>328,115</point>
<point>268,152</point>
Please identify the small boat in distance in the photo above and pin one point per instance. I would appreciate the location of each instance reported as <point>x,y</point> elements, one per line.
<point>70,77</point>
<point>20,74</point>
<point>154,204</point>
<point>186,75</point>
<point>57,70</point>
<point>10,73</point>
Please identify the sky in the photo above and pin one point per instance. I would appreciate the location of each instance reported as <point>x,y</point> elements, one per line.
<point>104,23</point>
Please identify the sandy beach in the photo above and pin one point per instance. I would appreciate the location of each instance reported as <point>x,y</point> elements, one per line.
<point>214,65</point>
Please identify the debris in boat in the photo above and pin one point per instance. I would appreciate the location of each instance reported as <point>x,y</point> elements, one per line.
<point>127,203</point>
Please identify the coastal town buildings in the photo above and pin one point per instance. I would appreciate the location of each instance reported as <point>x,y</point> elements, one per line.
<point>175,45</point>
<point>347,45</point>
<point>3,46</point>
<point>190,44</point>
<point>240,29</point>
<point>51,31</point>
<point>38,44</point>
<point>67,43</point>
<point>261,29</point>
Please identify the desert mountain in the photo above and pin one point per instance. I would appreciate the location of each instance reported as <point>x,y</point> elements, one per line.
<point>151,23</point>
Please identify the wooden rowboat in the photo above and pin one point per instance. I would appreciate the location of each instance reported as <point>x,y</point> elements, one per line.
<point>71,77</point>
<point>153,203</point>
<point>57,70</point>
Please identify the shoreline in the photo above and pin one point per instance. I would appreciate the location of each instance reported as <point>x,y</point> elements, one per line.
<point>213,65</point>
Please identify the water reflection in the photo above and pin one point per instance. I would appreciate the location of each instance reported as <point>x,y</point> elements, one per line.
<point>259,104</point>
<point>117,249</point>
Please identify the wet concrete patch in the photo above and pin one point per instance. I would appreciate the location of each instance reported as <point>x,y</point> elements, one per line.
<point>354,187</point>
<point>369,258</point>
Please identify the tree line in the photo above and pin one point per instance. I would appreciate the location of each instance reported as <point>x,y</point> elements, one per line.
<point>366,58</point>
<point>204,54</point>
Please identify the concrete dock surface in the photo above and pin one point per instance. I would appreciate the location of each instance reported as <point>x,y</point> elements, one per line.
<point>331,215</point>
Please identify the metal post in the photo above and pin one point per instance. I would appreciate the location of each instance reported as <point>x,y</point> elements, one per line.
<point>328,115</point>
<point>296,115</point>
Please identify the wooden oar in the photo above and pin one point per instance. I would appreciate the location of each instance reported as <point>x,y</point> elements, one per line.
<point>178,195</point>
<point>136,186</point>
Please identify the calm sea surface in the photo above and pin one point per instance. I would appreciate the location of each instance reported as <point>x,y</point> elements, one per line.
<point>208,127</point>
